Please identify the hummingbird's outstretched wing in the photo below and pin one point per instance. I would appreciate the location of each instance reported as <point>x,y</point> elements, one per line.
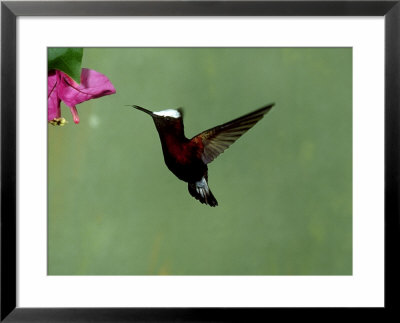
<point>217,139</point>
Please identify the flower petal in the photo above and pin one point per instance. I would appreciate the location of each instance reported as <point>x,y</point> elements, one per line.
<point>93,85</point>
<point>53,101</point>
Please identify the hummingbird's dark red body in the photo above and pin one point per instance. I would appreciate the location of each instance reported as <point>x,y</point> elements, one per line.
<point>188,158</point>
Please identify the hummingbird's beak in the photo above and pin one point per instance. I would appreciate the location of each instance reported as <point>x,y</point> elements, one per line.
<point>143,109</point>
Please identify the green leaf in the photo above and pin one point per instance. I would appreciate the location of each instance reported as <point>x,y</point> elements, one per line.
<point>68,60</point>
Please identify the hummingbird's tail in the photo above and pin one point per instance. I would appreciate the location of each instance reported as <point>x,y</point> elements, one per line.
<point>200,191</point>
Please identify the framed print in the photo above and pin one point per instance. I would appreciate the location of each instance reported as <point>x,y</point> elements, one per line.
<point>116,207</point>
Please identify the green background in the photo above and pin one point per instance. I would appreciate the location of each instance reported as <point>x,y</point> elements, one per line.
<point>284,188</point>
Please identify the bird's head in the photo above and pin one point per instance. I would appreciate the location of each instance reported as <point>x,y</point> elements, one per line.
<point>166,119</point>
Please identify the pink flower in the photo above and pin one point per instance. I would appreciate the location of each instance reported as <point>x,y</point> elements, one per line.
<point>63,88</point>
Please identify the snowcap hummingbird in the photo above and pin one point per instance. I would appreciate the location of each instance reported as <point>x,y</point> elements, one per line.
<point>188,158</point>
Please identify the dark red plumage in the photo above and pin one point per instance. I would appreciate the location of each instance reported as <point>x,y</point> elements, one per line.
<point>188,158</point>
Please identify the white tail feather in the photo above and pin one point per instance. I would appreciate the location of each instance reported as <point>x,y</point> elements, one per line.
<point>200,191</point>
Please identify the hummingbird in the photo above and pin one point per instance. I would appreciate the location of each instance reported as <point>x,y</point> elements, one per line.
<point>187,158</point>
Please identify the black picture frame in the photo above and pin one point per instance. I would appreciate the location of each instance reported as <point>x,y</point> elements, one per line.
<point>10,10</point>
